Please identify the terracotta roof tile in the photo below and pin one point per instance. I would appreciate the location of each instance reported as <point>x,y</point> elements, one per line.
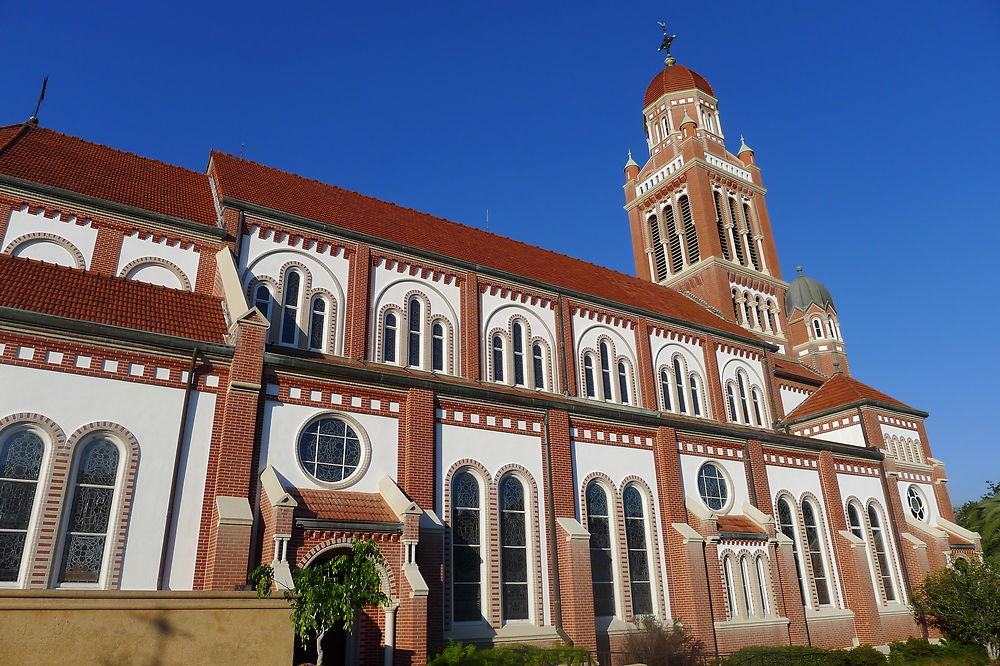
<point>279,190</point>
<point>836,391</point>
<point>42,155</point>
<point>739,523</point>
<point>343,505</point>
<point>674,79</point>
<point>35,286</point>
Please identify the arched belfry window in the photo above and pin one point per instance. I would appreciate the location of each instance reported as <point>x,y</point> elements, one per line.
<point>720,224</point>
<point>751,241</point>
<point>601,559</point>
<point>466,549</point>
<point>673,240</point>
<point>735,232</point>
<point>659,252</point>
<point>513,548</point>
<point>390,325</point>
<point>690,233</point>
<point>737,310</point>
<point>414,332</point>
<point>290,308</point>
<point>85,536</point>
<point>817,329</point>
<point>831,330</point>
<point>20,464</point>
<point>636,529</point>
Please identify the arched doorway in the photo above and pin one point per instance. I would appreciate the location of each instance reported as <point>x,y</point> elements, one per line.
<point>344,647</point>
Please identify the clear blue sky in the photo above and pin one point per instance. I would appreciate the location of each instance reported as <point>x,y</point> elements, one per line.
<point>875,124</point>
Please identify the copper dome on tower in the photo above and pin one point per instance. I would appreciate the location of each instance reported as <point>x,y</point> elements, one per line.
<point>805,291</point>
<point>674,78</point>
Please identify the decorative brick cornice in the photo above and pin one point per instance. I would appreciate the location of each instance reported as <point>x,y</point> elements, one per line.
<point>416,268</point>
<point>516,293</point>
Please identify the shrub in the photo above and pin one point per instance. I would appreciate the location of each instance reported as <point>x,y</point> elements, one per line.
<point>921,651</point>
<point>459,654</point>
<point>660,644</point>
<point>763,655</point>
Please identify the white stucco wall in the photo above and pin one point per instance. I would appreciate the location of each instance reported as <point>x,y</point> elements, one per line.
<point>182,255</point>
<point>791,399</point>
<point>852,434</point>
<point>282,424</point>
<point>82,236</point>
<point>151,414</point>
<point>496,313</point>
<point>735,470</point>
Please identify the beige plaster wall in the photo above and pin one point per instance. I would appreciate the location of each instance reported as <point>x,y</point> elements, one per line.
<point>149,628</point>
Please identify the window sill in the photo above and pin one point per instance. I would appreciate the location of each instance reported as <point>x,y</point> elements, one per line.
<point>894,608</point>
<point>751,622</point>
<point>512,632</point>
<point>613,625</point>
<point>830,613</point>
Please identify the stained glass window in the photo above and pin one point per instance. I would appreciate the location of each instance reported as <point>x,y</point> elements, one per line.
<point>90,512</point>
<point>916,503</point>
<point>814,548</point>
<point>290,309</point>
<point>786,523</point>
<point>317,324</point>
<point>665,389</point>
<point>762,586</point>
<point>538,365</point>
<point>497,358</point>
<point>20,463</point>
<point>727,571</point>
<point>881,553</point>
<point>747,593</point>
<point>513,549</point>
<point>414,326</point>
<point>518,346</point>
<point>712,486</point>
<point>731,401</point>
<point>389,337</point>
<point>437,346</point>
<point>854,521</point>
<point>601,562</point>
<point>638,555</point>
<point>330,449</point>
<point>588,375</point>
<point>695,397</point>
<point>622,382</point>
<point>466,553</point>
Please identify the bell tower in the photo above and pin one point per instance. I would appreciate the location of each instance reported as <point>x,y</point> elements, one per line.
<point>697,213</point>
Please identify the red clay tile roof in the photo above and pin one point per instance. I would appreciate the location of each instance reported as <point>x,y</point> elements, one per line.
<point>279,190</point>
<point>839,390</point>
<point>35,286</point>
<point>41,155</point>
<point>796,368</point>
<point>673,79</point>
<point>343,505</point>
<point>739,523</point>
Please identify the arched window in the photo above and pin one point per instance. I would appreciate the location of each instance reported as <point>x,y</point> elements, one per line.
<point>829,326</point>
<point>713,487</point>
<point>695,395</point>
<point>814,547</point>
<point>518,345</point>
<point>664,126</point>
<point>466,548</point>
<point>513,549</point>
<point>317,324</point>
<point>673,240</point>
<point>497,347</point>
<point>262,300</point>
<point>588,376</point>
<point>601,561</point>
<point>762,586</point>
<point>638,554</point>
<point>690,233</point>
<point>915,500</point>
<point>748,310</point>
<point>751,242</point>
<point>759,310</point>
<point>622,382</point>
<point>770,317</point>
<point>731,401</point>
<point>414,325</point>
<point>20,464</point>
<point>538,365</point>
<point>290,308</point>
<point>389,324</point>
<point>817,329</point>
<point>736,234</point>
<point>437,346</point>
<point>786,524</point>
<point>720,224</point>
<point>85,535</point>
<point>659,252</point>
<point>330,450</point>
<point>854,521</point>
<point>757,409</point>
<point>881,554</point>
<point>727,570</point>
<point>747,587</point>
<point>737,315</point>
<point>665,388</point>
<point>605,371</point>
<point>679,383</point>
<point>743,397</point>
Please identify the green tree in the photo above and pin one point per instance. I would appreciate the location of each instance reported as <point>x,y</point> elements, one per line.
<point>329,594</point>
<point>963,601</point>
<point>983,516</point>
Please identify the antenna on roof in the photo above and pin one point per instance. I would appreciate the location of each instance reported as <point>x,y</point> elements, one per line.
<point>33,120</point>
<point>243,147</point>
<point>487,219</point>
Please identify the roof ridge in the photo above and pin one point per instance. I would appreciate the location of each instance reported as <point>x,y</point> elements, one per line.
<point>438,218</point>
<point>113,278</point>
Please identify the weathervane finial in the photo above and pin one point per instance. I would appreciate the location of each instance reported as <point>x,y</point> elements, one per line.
<point>665,45</point>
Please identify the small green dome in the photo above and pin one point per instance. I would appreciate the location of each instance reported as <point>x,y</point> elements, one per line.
<point>805,291</point>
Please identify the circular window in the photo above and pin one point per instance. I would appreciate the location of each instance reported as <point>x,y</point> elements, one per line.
<point>915,499</point>
<point>332,451</point>
<point>712,486</point>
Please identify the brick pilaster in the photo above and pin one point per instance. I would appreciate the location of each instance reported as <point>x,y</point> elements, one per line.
<point>762,489</point>
<point>568,359</point>
<point>645,371</point>
<point>576,586</point>
<point>106,251</point>
<point>471,342</point>
<point>715,396</point>
<point>417,447</point>
<point>358,303</point>
<point>787,589</point>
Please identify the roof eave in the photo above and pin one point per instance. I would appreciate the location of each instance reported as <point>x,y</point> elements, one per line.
<point>863,402</point>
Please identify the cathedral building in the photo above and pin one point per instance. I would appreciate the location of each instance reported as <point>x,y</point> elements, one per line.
<point>206,371</point>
